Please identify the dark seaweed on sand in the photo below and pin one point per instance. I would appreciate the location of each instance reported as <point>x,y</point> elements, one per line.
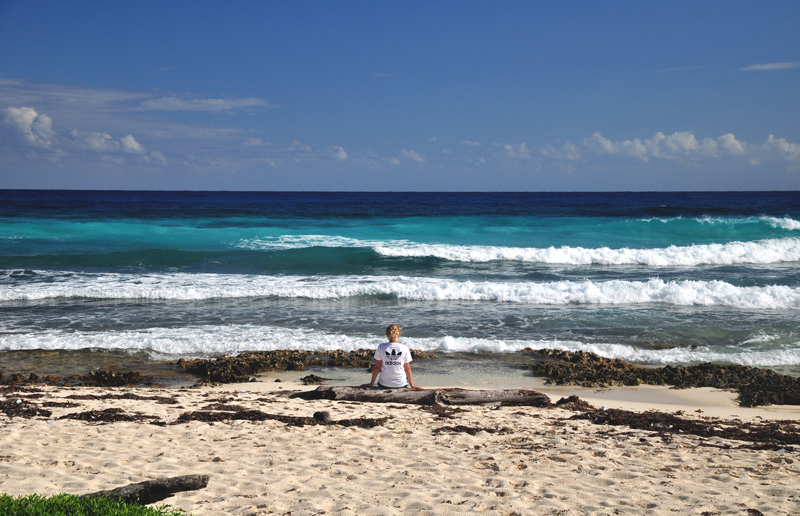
<point>471,430</point>
<point>110,415</point>
<point>755,386</point>
<point>164,400</point>
<point>22,408</point>
<point>769,435</point>
<point>257,415</point>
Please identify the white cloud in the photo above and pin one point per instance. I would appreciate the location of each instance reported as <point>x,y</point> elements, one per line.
<point>179,104</point>
<point>567,151</point>
<point>412,155</point>
<point>35,129</point>
<point>772,66</point>
<point>337,152</point>
<point>779,147</point>
<point>96,142</point>
<point>470,143</point>
<point>130,145</point>
<point>394,161</point>
<point>519,150</point>
<point>730,144</point>
<point>158,158</point>
<point>255,142</point>
<point>673,146</point>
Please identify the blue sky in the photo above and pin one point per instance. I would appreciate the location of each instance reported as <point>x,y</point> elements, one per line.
<point>306,95</point>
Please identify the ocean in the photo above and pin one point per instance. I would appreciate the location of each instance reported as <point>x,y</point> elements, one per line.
<point>92,278</point>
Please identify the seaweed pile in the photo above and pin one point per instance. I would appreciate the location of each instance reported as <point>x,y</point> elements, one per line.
<point>242,367</point>
<point>109,415</point>
<point>755,386</point>
<point>163,400</point>
<point>93,379</point>
<point>768,435</point>
<point>471,430</point>
<point>22,408</point>
<point>257,415</point>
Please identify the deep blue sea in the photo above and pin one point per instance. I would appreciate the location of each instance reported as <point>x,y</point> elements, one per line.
<point>653,278</point>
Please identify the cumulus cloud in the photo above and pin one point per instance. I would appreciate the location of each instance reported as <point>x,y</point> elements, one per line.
<point>731,145</point>
<point>470,143</point>
<point>130,145</point>
<point>36,129</point>
<point>412,155</point>
<point>673,146</point>
<point>337,152</point>
<point>772,66</point>
<point>179,104</point>
<point>782,148</point>
<point>515,151</point>
<point>568,151</point>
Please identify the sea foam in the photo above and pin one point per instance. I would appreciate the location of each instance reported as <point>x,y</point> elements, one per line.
<point>733,253</point>
<point>183,286</point>
<point>216,340</point>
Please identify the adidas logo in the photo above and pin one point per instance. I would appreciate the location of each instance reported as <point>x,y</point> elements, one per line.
<point>394,354</point>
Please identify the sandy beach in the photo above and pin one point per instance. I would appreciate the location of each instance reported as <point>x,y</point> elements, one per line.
<point>520,460</point>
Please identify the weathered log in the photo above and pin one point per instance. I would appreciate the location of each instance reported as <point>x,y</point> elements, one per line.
<point>152,491</point>
<point>427,397</point>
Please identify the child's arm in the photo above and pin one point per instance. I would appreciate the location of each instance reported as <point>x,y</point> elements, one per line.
<point>376,369</point>
<point>407,368</point>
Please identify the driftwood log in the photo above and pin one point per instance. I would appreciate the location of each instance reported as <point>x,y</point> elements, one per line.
<point>427,397</point>
<point>152,491</point>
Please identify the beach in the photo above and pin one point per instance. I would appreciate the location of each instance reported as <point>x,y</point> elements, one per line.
<point>656,288</point>
<point>488,459</point>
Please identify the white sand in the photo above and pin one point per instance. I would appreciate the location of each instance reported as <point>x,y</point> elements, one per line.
<point>544,465</point>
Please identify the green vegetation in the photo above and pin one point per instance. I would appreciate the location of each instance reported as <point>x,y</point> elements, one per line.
<point>70,505</point>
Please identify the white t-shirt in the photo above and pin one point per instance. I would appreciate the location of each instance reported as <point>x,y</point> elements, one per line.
<point>394,356</point>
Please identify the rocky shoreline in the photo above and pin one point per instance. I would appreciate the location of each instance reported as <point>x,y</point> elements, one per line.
<point>755,386</point>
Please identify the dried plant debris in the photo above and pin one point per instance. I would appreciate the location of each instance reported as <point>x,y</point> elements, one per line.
<point>471,430</point>
<point>257,415</point>
<point>165,400</point>
<point>574,403</point>
<point>442,411</point>
<point>240,368</point>
<point>313,379</point>
<point>60,404</point>
<point>225,407</point>
<point>768,435</point>
<point>110,415</point>
<point>755,386</point>
<point>22,408</point>
<point>9,389</point>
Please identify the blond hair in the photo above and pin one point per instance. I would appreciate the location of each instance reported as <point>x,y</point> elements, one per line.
<point>393,332</point>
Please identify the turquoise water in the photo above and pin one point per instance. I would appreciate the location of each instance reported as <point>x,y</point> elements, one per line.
<point>655,278</point>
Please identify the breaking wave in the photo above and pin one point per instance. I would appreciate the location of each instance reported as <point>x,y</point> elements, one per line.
<point>760,252</point>
<point>208,341</point>
<point>41,285</point>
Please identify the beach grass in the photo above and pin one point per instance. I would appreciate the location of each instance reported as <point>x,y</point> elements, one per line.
<point>71,505</point>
